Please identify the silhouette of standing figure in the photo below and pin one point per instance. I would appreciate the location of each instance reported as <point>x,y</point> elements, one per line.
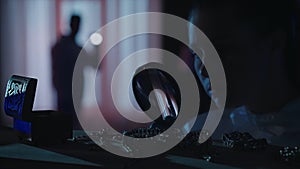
<point>64,56</point>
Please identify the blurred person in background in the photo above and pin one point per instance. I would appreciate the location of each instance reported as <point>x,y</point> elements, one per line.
<point>64,56</point>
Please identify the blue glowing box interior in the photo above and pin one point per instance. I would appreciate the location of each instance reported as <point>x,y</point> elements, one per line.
<point>18,103</point>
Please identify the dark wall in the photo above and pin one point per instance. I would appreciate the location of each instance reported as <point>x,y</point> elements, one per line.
<point>180,9</point>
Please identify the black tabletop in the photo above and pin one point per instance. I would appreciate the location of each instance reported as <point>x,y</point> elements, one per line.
<point>15,154</point>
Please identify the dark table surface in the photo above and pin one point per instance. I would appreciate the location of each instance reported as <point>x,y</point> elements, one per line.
<point>16,154</point>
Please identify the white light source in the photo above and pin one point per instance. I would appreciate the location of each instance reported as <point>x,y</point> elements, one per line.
<point>96,38</point>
